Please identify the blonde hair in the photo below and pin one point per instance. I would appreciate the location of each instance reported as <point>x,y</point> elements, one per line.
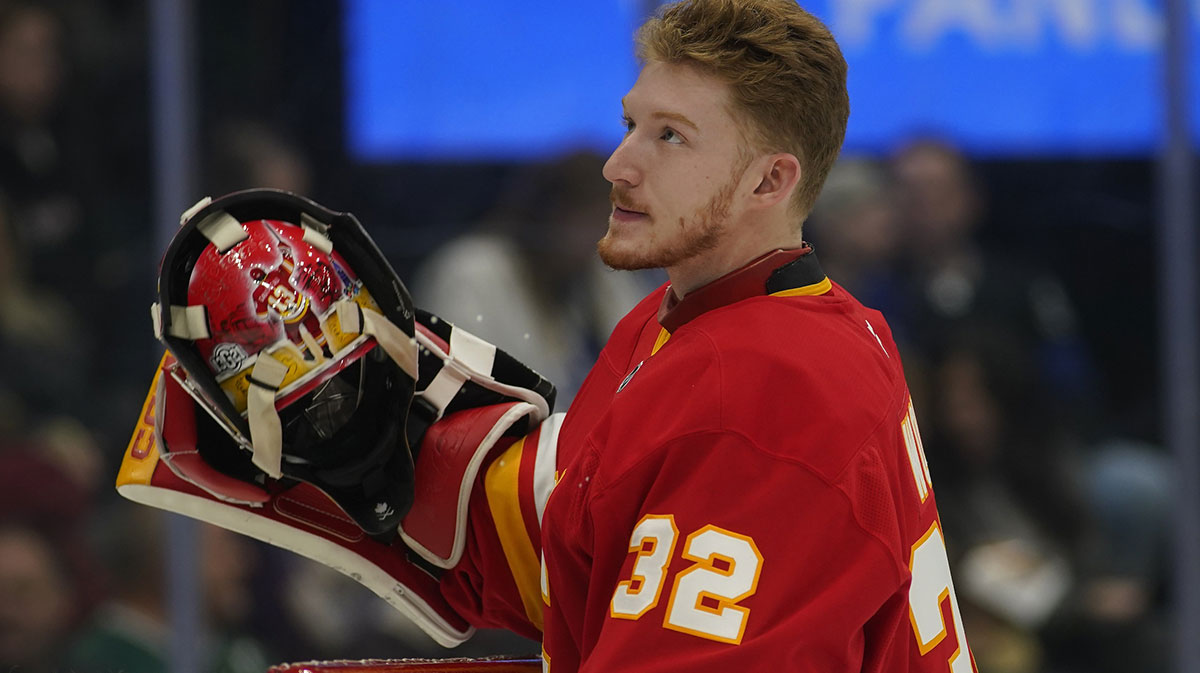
<point>785,71</point>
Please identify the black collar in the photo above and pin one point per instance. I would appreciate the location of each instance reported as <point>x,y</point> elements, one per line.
<point>775,272</point>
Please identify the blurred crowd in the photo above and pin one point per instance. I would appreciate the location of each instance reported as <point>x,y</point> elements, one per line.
<point>1054,497</point>
<point>1056,520</point>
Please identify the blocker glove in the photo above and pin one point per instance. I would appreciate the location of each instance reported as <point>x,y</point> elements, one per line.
<point>306,402</point>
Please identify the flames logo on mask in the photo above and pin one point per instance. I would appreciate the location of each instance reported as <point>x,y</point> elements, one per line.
<point>275,293</point>
<point>290,292</point>
<point>290,286</point>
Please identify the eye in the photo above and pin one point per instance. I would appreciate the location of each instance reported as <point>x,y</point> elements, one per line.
<point>628,124</point>
<point>669,135</point>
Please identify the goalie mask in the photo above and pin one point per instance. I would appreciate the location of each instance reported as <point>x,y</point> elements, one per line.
<point>293,332</point>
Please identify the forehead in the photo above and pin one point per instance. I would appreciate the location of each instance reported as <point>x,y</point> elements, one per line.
<point>679,88</point>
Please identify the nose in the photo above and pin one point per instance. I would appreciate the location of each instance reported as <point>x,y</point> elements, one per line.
<point>621,165</point>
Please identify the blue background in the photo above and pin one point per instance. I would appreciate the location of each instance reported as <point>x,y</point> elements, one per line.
<point>489,80</point>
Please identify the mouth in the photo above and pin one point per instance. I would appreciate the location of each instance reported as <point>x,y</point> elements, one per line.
<point>626,214</point>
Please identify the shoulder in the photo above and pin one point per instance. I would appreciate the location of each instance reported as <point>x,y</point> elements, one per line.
<point>808,379</point>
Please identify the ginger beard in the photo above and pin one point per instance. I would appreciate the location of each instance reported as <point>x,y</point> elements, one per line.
<point>703,233</point>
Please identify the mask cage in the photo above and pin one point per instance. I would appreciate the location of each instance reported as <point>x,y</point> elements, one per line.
<point>350,241</point>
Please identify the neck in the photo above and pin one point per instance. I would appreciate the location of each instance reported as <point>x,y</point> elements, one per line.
<point>729,255</point>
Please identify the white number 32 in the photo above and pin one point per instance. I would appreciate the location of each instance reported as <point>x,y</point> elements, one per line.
<point>931,583</point>
<point>704,599</point>
<point>931,586</point>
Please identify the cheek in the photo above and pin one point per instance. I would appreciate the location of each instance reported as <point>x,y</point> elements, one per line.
<point>678,186</point>
<point>683,195</point>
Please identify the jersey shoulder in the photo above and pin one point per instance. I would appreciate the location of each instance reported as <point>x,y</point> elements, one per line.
<point>807,378</point>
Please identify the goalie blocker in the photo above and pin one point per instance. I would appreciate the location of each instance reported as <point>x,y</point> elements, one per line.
<point>316,458</point>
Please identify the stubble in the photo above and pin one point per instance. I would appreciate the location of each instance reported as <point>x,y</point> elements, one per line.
<point>708,227</point>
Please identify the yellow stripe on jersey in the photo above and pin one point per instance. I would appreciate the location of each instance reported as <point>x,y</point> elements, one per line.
<point>807,290</point>
<point>141,456</point>
<point>663,336</point>
<point>500,484</point>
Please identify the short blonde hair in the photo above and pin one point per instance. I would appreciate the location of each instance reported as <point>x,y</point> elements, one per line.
<point>785,70</point>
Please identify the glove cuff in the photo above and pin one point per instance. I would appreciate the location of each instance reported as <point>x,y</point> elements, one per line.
<point>448,462</point>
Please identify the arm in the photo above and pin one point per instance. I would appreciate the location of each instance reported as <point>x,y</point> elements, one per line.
<point>497,582</point>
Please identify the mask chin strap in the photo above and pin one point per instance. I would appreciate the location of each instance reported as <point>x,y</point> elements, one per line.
<point>266,430</point>
<point>400,347</point>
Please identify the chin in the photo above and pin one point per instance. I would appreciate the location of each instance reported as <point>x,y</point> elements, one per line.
<point>633,248</point>
<point>624,255</point>
<point>632,256</point>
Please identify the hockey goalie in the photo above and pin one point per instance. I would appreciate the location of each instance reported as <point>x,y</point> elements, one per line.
<point>740,482</point>
<point>305,401</point>
<point>683,516</point>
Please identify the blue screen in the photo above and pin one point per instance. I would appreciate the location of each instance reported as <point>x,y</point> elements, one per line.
<point>486,79</point>
<point>513,79</point>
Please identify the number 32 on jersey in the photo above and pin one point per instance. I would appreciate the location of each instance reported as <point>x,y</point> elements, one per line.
<point>930,567</point>
<point>704,597</point>
<point>726,567</point>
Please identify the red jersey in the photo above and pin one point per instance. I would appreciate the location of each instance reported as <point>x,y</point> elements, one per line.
<point>740,485</point>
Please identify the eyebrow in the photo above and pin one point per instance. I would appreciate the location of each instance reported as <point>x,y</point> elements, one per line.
<point>673,116</point>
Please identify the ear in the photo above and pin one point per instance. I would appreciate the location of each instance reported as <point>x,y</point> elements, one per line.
<point>778,176</point>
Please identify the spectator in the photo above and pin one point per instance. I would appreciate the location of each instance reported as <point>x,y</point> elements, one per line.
<point>44,361</point>
<point>36,601</point>
<point>1122,614</point>
<point>248,154</point>
<point>42,358</point>
<point>77,234</point>
<point>47,220</point>
<point>1014,519</point>
<point>47,582</point>
<point>953,281</point>
<point>130,631</point>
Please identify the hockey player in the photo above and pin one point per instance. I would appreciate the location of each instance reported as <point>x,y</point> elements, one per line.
<point>739,483</point>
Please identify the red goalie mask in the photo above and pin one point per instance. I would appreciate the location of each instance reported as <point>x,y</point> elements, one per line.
<point>273,290</point>
<point>292,331</point>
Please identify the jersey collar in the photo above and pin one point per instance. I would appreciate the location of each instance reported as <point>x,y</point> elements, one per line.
<point>780,273</point>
